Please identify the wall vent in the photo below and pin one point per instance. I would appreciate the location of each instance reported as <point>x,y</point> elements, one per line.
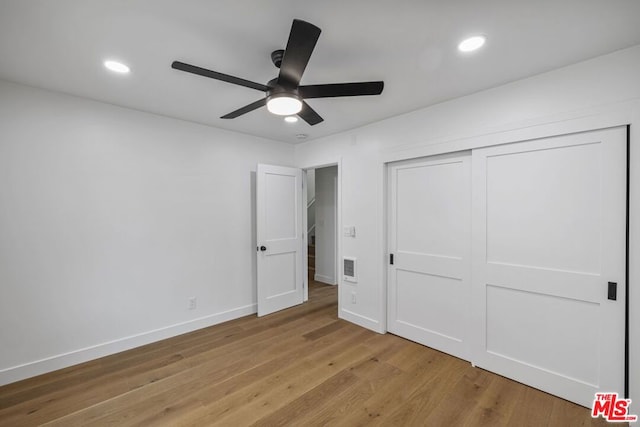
<point>349,269</point>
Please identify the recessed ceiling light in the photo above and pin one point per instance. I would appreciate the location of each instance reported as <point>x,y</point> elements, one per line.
<point>117,67</point>
<point>291,119</point>
<point>302,136</point>
<point>472,43</point>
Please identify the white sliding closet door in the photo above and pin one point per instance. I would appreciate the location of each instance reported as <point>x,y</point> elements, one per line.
<point>549,227</point>
<point>429,237</point>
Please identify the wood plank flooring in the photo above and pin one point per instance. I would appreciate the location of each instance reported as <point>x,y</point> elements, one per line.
<point>298,367</point>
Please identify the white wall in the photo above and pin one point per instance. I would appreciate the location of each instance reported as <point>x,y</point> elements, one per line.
<point>110,219</point>
<point>603,91</point>
<point>325,181</point>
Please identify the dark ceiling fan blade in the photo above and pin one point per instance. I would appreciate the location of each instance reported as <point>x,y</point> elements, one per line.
<point>302,41</point>
<point>218,76</point>
<point>309,115</point>
<point>247,108</point>
<point>341,89</point>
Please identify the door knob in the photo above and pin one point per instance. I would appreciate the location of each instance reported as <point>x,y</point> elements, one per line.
<point>263,248</point>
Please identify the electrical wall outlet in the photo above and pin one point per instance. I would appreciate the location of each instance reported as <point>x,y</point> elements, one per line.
<point>192,303</point>
<point>353,297</point>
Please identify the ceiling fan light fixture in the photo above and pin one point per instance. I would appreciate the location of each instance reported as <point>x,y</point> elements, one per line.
<point>284,105</point>
<point>291,119</point>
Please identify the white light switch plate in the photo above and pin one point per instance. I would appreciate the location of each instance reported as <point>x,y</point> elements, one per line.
<point>349,231</point>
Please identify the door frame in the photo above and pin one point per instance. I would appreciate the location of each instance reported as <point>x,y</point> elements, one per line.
<point>338,238</point>
<point>621,114</point>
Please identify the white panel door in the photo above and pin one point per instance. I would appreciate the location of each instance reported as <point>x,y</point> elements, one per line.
<point>279,238</point>
<point>549,227</point>
<point>429,237</point>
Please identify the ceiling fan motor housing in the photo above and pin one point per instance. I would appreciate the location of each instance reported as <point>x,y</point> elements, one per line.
<point>275,90</point>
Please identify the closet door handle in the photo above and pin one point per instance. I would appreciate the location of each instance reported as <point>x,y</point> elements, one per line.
<point>612,291</point>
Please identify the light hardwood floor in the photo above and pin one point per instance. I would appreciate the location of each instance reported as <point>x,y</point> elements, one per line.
<point>299,367</point>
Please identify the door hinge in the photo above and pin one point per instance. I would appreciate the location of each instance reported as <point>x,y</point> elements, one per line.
<point>391,259</point>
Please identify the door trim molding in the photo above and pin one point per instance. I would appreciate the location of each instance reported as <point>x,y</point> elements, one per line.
<point>620,114</point>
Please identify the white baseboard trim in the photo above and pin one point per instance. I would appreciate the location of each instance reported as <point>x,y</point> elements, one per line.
<point>360,320</point>
<point>49,364</point>
<point>324,279</point>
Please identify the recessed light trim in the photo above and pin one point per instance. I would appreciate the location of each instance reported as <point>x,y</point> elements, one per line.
<point>472,43</point>
<point>116,67</point>
<point>291,119</point>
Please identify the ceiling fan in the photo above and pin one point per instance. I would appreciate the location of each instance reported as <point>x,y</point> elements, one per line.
<point>284,95</point>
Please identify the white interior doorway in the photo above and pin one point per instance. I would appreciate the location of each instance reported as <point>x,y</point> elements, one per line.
<point>282,241</point>
<point>322,224</point>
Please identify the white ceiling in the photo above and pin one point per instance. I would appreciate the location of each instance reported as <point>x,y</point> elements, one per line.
<point>410,44</point>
